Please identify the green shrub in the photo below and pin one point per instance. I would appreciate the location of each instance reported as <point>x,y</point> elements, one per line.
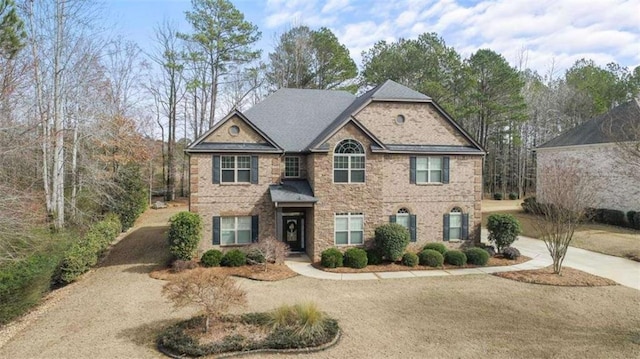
<point>410,259</point>
<point>392,240</point>
<point>503,230</point>
<point>440,247</point>
<point>431,258</point>
<point>455,257</point>
<point>129,195</point>
<point>234,258</point>
<point>184,235</point>
<point>631,219</point>
<point>610,216</point>
<point>513,195</point>
<point>355,258</point>
<point>255,256</point>
<point>636,220</point>
<point>511,253</point>
<point>374,257</point>
<point>331,258</point>
<point>497,196</point>
<point>211,258</point>
<point>477,256</point>
<point>530,205</point>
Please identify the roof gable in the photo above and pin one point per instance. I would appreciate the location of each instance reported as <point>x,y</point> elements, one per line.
<point>393,91</point>
<point>614,126</point>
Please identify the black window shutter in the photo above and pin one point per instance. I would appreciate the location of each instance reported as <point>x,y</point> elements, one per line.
<point>254,169</point>
<point>445,170</point>
<point>465,226</point>
<point>412,169</point>
<point>216,169</point>
<point>392,219</point>
<point>412,227</point>
<point>445,227</point>
<point>216,230</point>
<point>254,229</point>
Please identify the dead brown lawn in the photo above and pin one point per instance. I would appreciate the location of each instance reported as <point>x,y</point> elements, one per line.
<point>601,238</point>
<point>274,272</point>
<point>569,278</point>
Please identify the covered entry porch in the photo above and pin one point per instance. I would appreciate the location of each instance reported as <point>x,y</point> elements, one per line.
<point>294,203</point>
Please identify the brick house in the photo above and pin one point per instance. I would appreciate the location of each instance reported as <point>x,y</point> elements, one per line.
<point>606,150</point>
<point>319,168</point>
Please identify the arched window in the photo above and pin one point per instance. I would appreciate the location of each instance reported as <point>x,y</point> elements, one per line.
<point>455,224</point>
<point>348,162</point>
<point>402,217</point>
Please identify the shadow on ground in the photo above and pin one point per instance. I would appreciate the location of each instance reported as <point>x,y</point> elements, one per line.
<point>146,246</point>
<point>146,334</point>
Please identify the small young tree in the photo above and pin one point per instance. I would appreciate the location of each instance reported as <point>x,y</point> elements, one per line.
<point>503,230</point>
<point>214,293</point>
<point>271,249</point>
<point>184,235</point>
<point>564,196</point>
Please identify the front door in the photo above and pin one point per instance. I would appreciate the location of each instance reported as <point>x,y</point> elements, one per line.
<point>292,232</point>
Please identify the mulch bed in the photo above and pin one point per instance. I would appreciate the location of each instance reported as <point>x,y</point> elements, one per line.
<point>569,277</point>
<point>274,272</point>
<point>397,266</point>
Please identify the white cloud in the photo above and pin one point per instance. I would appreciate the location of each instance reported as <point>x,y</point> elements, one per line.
<point>334,5</point>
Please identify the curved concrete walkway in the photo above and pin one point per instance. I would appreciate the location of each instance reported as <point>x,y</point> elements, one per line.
<point>620,270</point>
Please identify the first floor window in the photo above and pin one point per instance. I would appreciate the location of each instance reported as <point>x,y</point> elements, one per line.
<point>428,169</point>
<point>455,224</point>
<point>402,217</point>
<point>236,169</point>
<point>235,230</point>
<point>349,228</point>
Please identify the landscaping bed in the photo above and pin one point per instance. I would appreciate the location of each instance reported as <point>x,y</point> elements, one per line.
<point>569,278</point>
<point>398,267</point>
<point>274,272</point>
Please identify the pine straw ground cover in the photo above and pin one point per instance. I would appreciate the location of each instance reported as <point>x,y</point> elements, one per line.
<point>397,266</point>
<point>569,278</point>
<point>274,272</point>
<point>288,328</point>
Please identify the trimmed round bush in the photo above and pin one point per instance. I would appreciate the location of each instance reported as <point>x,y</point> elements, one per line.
<point>331,258</point>
<point>503,230</point>
<point>392,240</point>
<point>410,259</point>
<point>431,258</point>
<point>374,257</point>
<point>513,195</point>
<point>211,258</point>
<point>441,248</point>
<point>355,258</point>
<point>184,235</point>
<point>497,196</point>
<point>511,253</point>
<point>455,257</point>
<point>255,256</point>
<point>477,256</point>
<point>234,258</point>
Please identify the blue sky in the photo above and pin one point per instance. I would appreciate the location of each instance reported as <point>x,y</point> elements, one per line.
<point>543,34</point>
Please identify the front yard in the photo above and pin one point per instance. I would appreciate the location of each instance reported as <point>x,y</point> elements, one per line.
<point>611,240</point>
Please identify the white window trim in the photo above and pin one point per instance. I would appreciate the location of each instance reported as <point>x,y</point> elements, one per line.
<point>285,166</point>
<point>235,169</point>
<point>429,169</point>
<point>406,215</point>
<point>348,216</point>
<point>235,231</point>
<point>349,169</point>
<point>456,212</point>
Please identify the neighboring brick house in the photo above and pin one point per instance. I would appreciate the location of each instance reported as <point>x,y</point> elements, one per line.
<point>319,168</point>
<point>599,147</point>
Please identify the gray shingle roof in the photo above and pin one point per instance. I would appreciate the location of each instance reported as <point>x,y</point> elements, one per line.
<point>429,149</point>
<point>233,147</point>
<point>613,126</point>
<point>292,191</point>
<point>391,90</point>
<point>295,117</point>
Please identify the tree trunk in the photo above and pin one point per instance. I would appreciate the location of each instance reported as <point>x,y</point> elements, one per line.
<point>58,121</point>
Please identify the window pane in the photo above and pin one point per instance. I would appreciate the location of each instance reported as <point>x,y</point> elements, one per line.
<point>341,162</point>
<point>436,176</point>
<point>455,220</point>
<point>341,224</point>
<point>292,166</point>
<point>421,177</point>
<point>454,233</point>
<point>227,223</point>
<point>227,237</point>
<point>244,237</point>
<point>228,162</point>
<point>421,163</point>
<point>244,223</point>
<point>402,220</point>
<point>228,176</point>
<point>356,237</point>
<point>341,237</point>
<point>357,162</point>
<point>244,161</point>
<point>341,176</point>
<point>357,176</point>
<point>357,223</point>
<point>244,176</point>
<point>435,163</point>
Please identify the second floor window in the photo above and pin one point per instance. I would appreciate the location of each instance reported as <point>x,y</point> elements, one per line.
<point>292,166</point>
<point>236,169</point>
<point>428,169</point>
<point>349,162</point>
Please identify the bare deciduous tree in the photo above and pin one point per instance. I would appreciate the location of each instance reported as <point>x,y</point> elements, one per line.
<point>213,292</point>
<point>564,195</point>
<point>273,250</point>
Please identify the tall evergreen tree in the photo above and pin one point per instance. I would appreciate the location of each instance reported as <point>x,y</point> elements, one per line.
<point>12,32</point>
